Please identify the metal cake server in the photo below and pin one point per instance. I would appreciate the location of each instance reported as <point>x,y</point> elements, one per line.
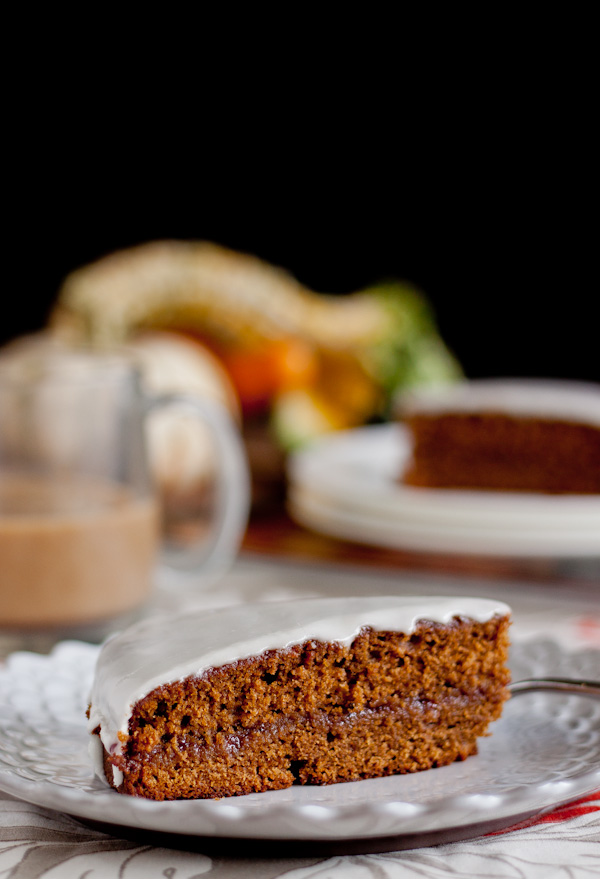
<point>558,685</point>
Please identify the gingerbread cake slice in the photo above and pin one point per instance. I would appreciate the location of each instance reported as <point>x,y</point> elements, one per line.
<point>504,435</point>
<point>315,691</point>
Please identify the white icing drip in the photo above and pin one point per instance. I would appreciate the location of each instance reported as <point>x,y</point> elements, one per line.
<point>166,649</point>
<point>96,755</point>
<point>571,401</point>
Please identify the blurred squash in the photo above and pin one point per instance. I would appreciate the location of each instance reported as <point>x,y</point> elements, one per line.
<point>306,362</point>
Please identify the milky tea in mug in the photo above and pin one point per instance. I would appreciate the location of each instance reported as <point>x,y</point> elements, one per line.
<point>80,525</point>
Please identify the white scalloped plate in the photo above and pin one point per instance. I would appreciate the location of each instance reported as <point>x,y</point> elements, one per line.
<point>544,751</point>
<point>346,484</point>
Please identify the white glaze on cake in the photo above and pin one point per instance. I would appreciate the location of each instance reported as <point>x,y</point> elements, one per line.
<point>166,649</point>
<point>533,398</point>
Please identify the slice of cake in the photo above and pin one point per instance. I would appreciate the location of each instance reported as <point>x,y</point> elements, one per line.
<point>259,697</point>
<point>518,435</point>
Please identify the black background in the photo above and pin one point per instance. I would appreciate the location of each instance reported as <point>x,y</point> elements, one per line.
<point>502,243</point>
<point>455,152</point>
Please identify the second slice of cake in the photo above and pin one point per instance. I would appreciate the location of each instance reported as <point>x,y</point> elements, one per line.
<point>505,435</point>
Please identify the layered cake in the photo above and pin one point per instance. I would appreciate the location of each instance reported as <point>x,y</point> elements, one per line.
<point>532,436</point>
<point>262,696</point>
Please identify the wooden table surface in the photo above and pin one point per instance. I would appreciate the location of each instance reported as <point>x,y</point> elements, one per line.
<point>273,532</point>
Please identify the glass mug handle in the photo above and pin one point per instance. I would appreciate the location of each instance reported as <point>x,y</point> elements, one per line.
<point>209,557</point>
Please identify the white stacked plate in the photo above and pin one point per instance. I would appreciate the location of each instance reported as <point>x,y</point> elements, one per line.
<point>347,484</point>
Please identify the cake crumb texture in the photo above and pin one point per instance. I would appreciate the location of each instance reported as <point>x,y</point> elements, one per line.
<point>319,713</point>
<point>501,452</point>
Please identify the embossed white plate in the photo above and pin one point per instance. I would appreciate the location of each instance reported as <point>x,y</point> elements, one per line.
<point>544,751</point>
<point>346,484</point>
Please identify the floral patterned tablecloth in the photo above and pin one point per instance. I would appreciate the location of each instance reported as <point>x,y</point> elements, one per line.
<point>36,842</point>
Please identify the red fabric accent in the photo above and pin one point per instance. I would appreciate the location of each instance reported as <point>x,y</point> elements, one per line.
<point>588,629</point>
<point>562,813</point>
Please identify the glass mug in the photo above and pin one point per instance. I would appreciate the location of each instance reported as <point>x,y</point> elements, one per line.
<point>81,531</point>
